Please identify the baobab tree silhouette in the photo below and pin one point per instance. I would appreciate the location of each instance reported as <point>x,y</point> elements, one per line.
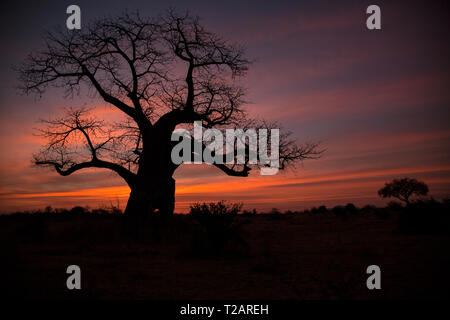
<point>160,73</point>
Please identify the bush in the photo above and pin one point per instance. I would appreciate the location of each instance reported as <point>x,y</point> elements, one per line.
<point>350,208</point>
<point>79,210</point>
<point>212,208</point>
<point>217,231</point>
<point>319,210</point>
<point>368,209</point>
<point>275,211</point>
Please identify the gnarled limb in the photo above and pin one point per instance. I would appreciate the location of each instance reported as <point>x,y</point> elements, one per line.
<point>62,133</point>
<point>127,175</point>
<point>160,74</point>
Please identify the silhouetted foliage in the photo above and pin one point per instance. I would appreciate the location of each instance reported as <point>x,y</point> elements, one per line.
<point>274,211</point>
<point>215,208</point>
<point>212,229</point>
<point>350,207</point>
<point>79,210</point>
<point>319,210</point>
<point>217,232</point>
<point>403,189</point>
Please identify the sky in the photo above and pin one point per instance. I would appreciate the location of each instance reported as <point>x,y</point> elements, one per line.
<point>377,100</point>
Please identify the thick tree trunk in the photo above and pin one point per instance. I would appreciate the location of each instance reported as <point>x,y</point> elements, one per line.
<point>154,190</point>
<point>153,196</point>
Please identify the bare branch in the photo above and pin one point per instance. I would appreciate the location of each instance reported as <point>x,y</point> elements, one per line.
<point>160,73</point>
<point>77,141</point>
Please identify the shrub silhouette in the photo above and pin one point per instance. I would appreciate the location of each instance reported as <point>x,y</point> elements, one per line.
<point>319,210</point>
<point>219,208</point>
<point>79,210</point>
<point>275,211</point>
<point>217,232</point>
<point>350,207</point>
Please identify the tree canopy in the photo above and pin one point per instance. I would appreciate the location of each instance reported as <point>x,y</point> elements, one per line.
<point>403,189</point>
<point>161,73</point>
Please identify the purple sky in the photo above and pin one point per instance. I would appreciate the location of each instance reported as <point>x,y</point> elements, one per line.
<point>377,100</point>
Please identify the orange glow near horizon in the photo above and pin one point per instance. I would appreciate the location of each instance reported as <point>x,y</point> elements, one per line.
<point>377,101</point>
<point>271,190</point>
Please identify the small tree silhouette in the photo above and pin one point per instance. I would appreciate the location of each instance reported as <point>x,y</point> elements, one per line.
<point>403,189</point>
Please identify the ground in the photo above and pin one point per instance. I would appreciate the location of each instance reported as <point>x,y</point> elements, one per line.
<point>277,256</point>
